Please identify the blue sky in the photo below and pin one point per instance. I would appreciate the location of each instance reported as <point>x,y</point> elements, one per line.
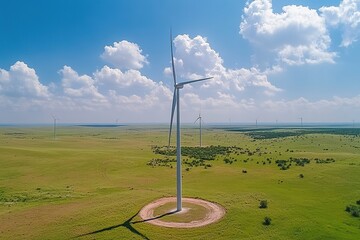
<point>98,61</point>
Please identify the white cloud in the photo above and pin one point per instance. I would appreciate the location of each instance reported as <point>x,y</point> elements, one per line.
<point>156,100</point>
<point>194,58</point>
<point>124,55</point>
<point>114,78</point>
<point>319,110</point>
<point>130,89</point>
<point>4,79</point>
<point>347,16</point>
<point>76,86</point>
<point>222,100</point>
<point>22,81</point>
<point>296,36</point>
<point>110,93</point>
<point>243,78</point>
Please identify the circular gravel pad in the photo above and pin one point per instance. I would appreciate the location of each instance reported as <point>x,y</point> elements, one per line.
<point>213,213</point>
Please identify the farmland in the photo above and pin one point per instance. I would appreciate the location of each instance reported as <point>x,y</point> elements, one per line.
<point>90,182</point>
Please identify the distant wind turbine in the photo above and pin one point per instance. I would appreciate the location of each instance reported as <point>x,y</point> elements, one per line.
<point>200,121</point>
<point>54,126</point>
<point>176,104</point>
<point>301,121</point>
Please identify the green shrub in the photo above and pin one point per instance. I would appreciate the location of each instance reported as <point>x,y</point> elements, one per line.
<point>355,213</point>
<point>263,204</point>
<point>347,209</point>
<point>353,210</point>
<point>267,221</point>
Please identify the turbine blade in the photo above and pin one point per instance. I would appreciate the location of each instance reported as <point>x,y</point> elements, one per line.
<point>172,115</point>
<point>172,58</point>
<point>192,81</point>
<point>197,119</point>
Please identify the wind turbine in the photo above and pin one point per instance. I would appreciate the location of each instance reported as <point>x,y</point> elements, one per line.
<point>54,126</point>
<point>301,121</point>
<point>176,104</point>
<point>200,120</point>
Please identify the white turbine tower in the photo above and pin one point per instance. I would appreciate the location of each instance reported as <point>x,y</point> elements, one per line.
<point>301,121</point>
<point>54,126</point>
<point>200,121</point>
<point>176,103</point>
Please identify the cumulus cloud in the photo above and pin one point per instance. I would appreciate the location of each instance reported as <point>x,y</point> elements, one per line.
<point>76,86</point>
<point>113,89</point>
<point>125,91</point>
<point>347,16</point>
<point>156,100</point>
<point>296,36</point>
<point>194,58</point>
<point>113,78</point>
<point>243,78</point>
<point>130,89</point>
<point>302,104</point>
<point>224,100</point>
<point>22,81</point>
<point>319,110</point>
<point>124,55</point>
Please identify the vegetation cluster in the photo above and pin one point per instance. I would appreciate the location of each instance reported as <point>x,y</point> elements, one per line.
<point>267,221</point>
<point>270,133</point>
<point>193,156</point>
<point>354,210</point>
<point>198,157</point>
<point>204,153</point>
<point>263,204</point>
<point>286,164</point>
<point>327,160</point>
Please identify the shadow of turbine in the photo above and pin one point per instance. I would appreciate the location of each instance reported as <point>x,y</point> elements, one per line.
<point>127,224</point>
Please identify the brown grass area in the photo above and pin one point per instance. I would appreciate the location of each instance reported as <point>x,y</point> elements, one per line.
<point>29,224</point>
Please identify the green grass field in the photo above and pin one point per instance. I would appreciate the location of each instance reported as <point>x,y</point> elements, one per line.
<point>90,183</point>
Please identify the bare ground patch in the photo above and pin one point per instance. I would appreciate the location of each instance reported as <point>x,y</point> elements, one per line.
<point>214,212</point>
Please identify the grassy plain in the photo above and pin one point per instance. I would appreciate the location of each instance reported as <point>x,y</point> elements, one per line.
<point>90,183</point>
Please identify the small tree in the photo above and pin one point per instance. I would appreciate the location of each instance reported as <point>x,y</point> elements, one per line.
<point>348,208</point>
<point>301,175</point>
<point>353,210</point>
<point>267,221</point>
<point>263,204</point>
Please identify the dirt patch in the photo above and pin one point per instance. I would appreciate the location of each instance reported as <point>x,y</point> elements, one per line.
<point>214,213</point>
